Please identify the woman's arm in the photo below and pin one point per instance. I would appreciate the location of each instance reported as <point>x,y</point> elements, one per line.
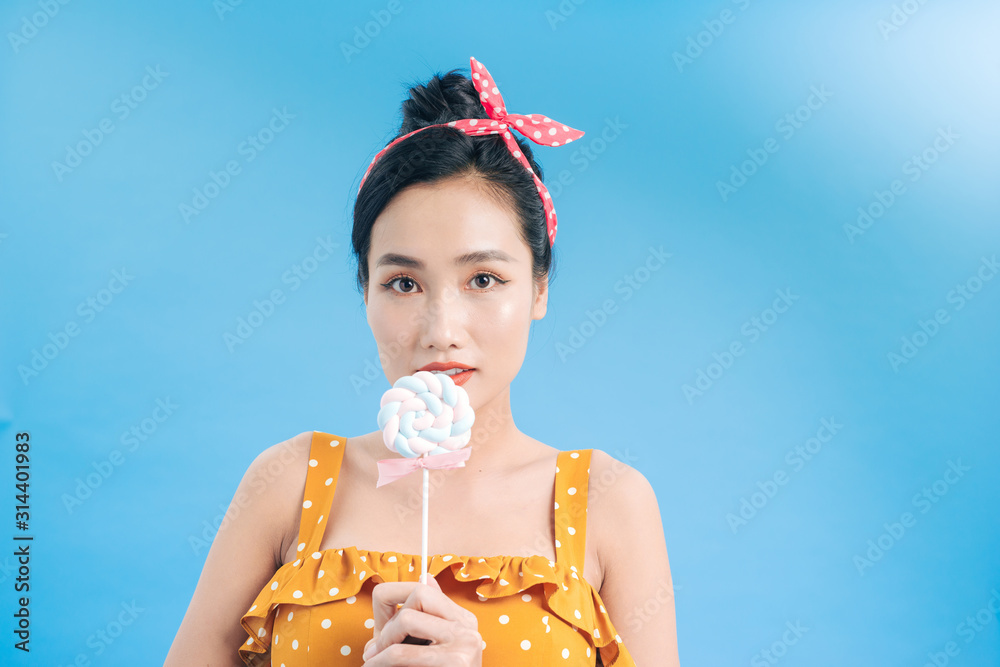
<point>243,556</point>
<point>637,589</point>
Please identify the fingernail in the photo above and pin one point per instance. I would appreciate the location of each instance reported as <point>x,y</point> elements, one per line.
<point>369,649</point>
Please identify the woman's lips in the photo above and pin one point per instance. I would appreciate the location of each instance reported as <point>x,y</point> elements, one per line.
<point>463,377</point>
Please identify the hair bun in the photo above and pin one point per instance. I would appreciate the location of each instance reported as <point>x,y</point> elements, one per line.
<point>441,100</point>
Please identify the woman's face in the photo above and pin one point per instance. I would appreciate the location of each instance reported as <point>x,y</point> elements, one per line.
<point>431,299</point>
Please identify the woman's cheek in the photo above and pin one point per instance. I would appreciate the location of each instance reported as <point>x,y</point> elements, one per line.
<point>499,317</point>
<point>393,327</point>
<point>380,324</point>
<point>503,327</point>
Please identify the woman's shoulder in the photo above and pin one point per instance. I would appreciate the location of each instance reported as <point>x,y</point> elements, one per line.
<point>283,467</point>
<point>615,485</point>
<point>277,476</point>
<point>618,492</point>
<point>619,463</point>
<point>280,460</point>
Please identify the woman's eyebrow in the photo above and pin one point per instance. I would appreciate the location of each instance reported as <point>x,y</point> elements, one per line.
<point>395,259</point>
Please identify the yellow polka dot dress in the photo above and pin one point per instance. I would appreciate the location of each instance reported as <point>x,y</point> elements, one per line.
<point>532,611</point>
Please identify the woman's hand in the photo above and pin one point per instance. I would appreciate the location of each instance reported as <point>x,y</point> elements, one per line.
<point>427,613</point>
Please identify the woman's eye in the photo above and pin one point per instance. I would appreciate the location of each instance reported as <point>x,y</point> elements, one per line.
<point>481,282</point>
<point>403,281</point>
<point>482,278</point>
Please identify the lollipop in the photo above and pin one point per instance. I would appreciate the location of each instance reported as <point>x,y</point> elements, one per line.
<point>425,413</point>
<point>427,419</point>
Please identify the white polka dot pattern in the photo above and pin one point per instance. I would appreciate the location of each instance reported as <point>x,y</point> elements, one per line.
<point>555,134</point>
<point>542,611</point>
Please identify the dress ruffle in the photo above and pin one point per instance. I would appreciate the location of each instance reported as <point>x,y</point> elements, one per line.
<point>336,574</point>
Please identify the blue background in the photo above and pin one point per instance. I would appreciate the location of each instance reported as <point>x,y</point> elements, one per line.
<point>683,126</point>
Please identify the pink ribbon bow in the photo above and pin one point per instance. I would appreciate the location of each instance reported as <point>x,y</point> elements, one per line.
<point>389,470</point>
<point>541,129</point>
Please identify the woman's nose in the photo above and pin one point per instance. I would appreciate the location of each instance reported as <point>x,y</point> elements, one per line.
<point>442,323</point>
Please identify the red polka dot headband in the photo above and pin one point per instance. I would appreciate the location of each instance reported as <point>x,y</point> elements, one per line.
<point>541,130</point>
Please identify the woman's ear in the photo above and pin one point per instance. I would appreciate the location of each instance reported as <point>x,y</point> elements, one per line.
<point>541,301</point>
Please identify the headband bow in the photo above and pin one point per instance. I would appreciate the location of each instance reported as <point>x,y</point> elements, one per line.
<point>540,129</point>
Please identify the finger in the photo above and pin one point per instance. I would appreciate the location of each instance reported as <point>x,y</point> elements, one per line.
<point>433,601</point>
<point>423,597</point>
<point>386,597</point>
<point>413,623</point>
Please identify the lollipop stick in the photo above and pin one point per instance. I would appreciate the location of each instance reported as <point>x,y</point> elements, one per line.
<point>423,528</point>
<point>409,639</point>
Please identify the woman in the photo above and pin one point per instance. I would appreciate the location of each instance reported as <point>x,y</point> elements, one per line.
<point>532,564</point>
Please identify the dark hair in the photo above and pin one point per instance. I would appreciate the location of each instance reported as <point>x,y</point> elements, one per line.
<point>444,152</point>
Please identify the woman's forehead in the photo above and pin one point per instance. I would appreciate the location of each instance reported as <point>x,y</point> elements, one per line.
<point>446,220</point>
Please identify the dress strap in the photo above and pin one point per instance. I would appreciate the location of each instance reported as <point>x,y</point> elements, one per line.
<point>325,456</point>
<point>571,487</point>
